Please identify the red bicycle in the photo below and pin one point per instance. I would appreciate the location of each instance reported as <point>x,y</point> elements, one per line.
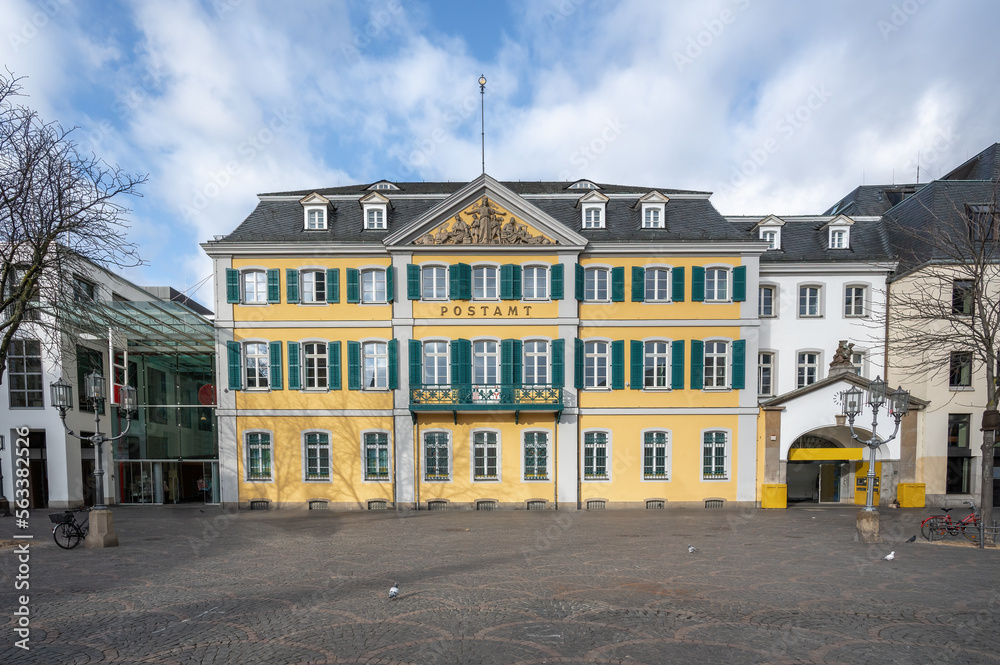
<point>937,527</point>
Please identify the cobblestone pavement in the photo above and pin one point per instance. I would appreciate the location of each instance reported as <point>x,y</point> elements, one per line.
<point>187,586</point>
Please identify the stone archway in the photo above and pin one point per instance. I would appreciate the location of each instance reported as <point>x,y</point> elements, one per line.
<point>820,466</point>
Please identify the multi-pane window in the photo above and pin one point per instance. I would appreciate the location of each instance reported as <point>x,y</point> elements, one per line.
<point>595,455</point>
<point>435,363</point>
<point>984,222</point>
<point>314,357</point>
<point>24,370</point>
<point>960,371</point>
<point>716,284</point>
<point>657,287</point>
<point>961,297</point>
<point>654,456</point>
<point>314,286</point>
<point>377,456</point>
<point>84,291</point>
<point>373,285</point>
<point>257,364</point>
<point>716,364</point>
<point>485,283</point>
<point>858,360</point>
<point>592,218</point>
<point>765,301</point>
<point>437,449</point>
<point>771,237</point>
<point>536,456</point>
<point>375,219</point>
<point>959,425</point>
<point>536,363</point>
<point>254,287</point>
<point>838,239</point>
<point>535,283</point>
<point>258,456</point>
<point>596,284</point>
<point>765,373</point>
<point>315,219</point>
<point>656,363</point>
<point>317,456</point>
<point>434,282</point>
<point>484,455</point>
<point>807,368</point>
<point>485,362</point>
<point>854,301</point>
<point>595,365</point>
<point>714,456</point>
<point>651,218</point>
<point>808,301</point>
<point>376,364</point>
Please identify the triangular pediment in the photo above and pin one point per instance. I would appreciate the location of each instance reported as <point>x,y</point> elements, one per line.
<point>374,198</point>
<point>770,221</point>
<point>485,213</point>
<point>652,197</point>
<point>314,199</point>
<point>592,197</point>
<point>839,220</point>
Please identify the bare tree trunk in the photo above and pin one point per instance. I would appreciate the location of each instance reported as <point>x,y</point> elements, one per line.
<point>986,490</point>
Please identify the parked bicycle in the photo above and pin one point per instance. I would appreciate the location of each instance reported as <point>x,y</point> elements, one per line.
<point>936,527</point>
<point>68,532</point>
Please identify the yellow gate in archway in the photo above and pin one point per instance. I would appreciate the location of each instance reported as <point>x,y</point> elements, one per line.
<point>861,483</point>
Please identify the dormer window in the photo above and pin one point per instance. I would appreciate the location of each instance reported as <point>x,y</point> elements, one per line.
<point>383,185</point>
<point>653,210</point>
<point>583,184</point>
<point>652,218</point>
<point>315,209</point>
<point>315,219</point>
<point>769,230</point>
<point>593,206</point>
<point>375,218</point>
<point>771,237</point>
<point>839,233</point>
<point>375,211</point>
<point>838,238</point>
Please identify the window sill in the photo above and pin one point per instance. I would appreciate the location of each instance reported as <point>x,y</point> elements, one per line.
<point>255,304</point>
<point>377,479</point>
<point>596,479</point>
<point>655,389</point>
<point>27,408</point>
<point>317,480</point>
<point>657,302</point>
<point>961,389</point>
<point>314,391</point>
<point>486,479</point>
<point>374,302</point>
<point>535,479</point>
<point>717,390</point>
<point>259,480</point>
<point>376,390</point>
<point>714,478</point>
<point>437,480</point>
<point>317,303</point>
<point>255,390</point>
<point>656,478</point>
<point>597,389</point>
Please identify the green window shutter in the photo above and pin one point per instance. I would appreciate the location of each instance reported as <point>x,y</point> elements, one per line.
<point>697,284</point>
<point>739,364</point>
<point>232,286</point>
<point>353,285</point>
<point>507,362</point>
<point>390,289</point>
<point>460,281</point>
<point>333,365</point>
<point>638,284</point>
<point>618,363</point>
<point>636,362</point>
<point>618,284</point>
<point>461,361</point>
<point>273,285</point>
<point>275,362</point>
<point>415,350</point>
<point>333,285</point>
<point>393,364</point>
<point>578,363</point>
<point>517,283</point>
<point>235,366</point>
<point>353,365</point>
<point>556,273</point>
<point>507,281</point>
<point>294,378</point>
<point>677,288</point>
<point>697,364</point>
<point>412,282</point>
<point>739,283</point>
<point>579,282</point>
<point>292,285</point>
<point>558,360</point>
<point>677,364</point>
<point>518,350</point>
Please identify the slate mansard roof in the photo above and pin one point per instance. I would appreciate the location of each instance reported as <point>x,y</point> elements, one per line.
<point>804,239</point>
<point>690,217</point>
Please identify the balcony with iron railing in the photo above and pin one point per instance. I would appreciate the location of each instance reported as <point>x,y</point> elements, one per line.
<point>463,397</point>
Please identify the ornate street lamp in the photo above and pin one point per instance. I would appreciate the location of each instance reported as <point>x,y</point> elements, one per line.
<point>101,526</point>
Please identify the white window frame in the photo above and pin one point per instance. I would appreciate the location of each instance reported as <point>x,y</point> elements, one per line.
<point>668,453</point>
<point>583,184</point>
<point>12,373</point>
<point>597,363</point>
<point>262,285</point>
<point>247,457</point>
<point>725,360</point>
<point>645,363</point>
<point>859,359</point>
<point>423,455</point>
<point>424,365</point>
<point>374,273</point>
<point>595,272</point>
<point>839,237</point>
<point>376,217</point>
<point>497,445</point>
<point>771,235</point>
<point>485,269</point>
<point>436,285</point>
<point>318,275</point>
<point>364,455</point>
<point>245,362</point>
<point>547,361</point>
<point>850,309</point>
<point>324,366</point>
<point>593,478</point>
<point>593,216</point>
<point>773,288</point>
<point>803,363</point>
<point>305,455</point>
<point>803,292</point>
<point>654,215</point>
<point>728,284</point>
<point>658,298</point>
<point>727,450</point>
<point>539,284</point>
<point>492,387</point>
<point>548,456</point>
<point>315,218</point>
<point>772,366</point>
<point>375,355</point>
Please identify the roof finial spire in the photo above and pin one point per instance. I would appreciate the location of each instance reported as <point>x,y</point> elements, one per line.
<point>482,117</point>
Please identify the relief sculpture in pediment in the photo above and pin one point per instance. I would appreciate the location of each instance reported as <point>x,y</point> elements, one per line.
<point>485,226</point>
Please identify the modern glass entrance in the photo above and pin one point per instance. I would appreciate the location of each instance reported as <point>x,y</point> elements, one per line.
<point>168,482</point>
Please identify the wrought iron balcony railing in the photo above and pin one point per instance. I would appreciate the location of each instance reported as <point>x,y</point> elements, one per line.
<point>474,397</point>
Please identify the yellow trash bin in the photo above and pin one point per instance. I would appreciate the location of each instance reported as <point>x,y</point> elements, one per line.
<point>774,496</point>
<point>910,495</point>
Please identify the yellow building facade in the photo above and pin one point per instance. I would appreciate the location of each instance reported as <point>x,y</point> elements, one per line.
<point>487,345</point>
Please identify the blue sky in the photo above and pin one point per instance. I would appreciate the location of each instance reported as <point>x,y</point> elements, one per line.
<point>776,107</point>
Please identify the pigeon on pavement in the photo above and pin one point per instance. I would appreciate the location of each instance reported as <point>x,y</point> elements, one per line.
<point>890,556</point>
<point>692,549</point>
<point>394,591</point>
<point>911,538</point>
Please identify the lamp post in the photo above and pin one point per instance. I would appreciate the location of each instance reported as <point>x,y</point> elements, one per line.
<point>897,404</point>
<point>102,532</point>
<point>4,503</point>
